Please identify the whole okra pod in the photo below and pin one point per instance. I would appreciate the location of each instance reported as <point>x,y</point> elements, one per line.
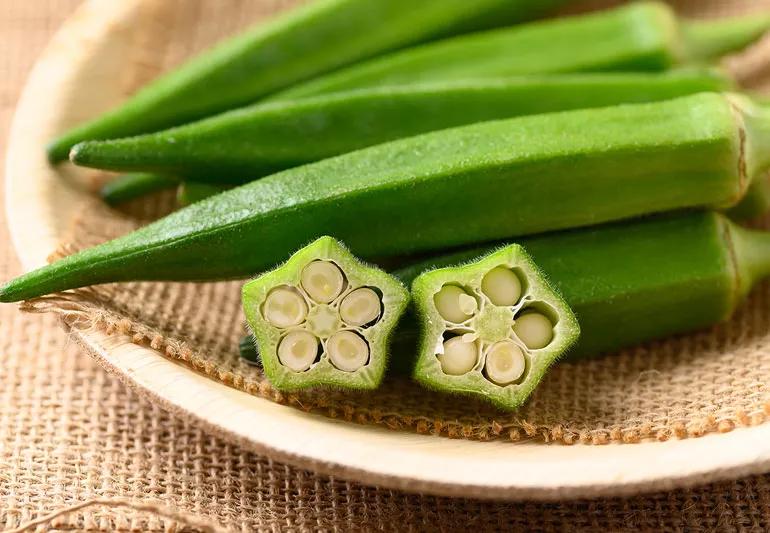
<point>305,42</point>
<point>639,36</point>
<point>476,183</point>
<point>241,145</point>
<point>324,318</point>
<point>635,281</point>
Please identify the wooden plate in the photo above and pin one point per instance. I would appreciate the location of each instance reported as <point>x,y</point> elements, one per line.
<point>76,78</point>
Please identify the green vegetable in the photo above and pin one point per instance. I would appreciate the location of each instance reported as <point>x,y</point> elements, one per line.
<point>491,328</point>
<point>190,192</point>
<point>635,281</point>
<point>131,186</point>
<point>251,142</point>
<point>317,38</point>
<point>476,183</point>
<point>755,203</point>
<point>639,36</point>
<point>324,318</point>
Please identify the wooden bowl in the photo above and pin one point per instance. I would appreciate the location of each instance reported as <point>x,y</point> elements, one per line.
<point>77,77</point>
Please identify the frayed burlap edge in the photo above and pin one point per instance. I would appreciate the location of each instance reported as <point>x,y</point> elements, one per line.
<point>80,311</point>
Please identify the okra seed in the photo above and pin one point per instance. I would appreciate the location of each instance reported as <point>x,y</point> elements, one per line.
<point>454,304</point>
<point>360,307</point>
<point>323,281</point>
<point>284,307</point>
<point>502,286</point>
<point>505,363</point>
<point>534,329</point>
<point>298,350</point>
<point>347,350</point>
<point>459,356</point>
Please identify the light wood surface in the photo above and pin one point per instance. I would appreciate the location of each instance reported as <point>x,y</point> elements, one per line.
<point>74,79</point>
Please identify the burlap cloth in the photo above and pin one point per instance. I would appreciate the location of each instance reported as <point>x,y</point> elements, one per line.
<point>71,434</point>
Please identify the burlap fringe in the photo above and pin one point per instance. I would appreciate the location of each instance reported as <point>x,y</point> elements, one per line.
<point>80,311</point>
<point>157,509</point>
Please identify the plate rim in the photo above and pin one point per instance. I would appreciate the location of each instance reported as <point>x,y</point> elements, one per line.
<point>135,365</point>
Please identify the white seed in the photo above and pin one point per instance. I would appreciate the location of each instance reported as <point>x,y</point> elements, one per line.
<point>323,281</point>
<point>298,350</point>
<point>360,307</point>
<point>505,363</point>
<point>452,303</point>
<point>534,330</point>
<point>347,351</point>
<point>502,286</point>
<point>459,356</point>
<point>284,307</point>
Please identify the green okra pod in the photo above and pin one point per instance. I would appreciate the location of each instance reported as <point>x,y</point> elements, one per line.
<point>135,185</point>
<point>755,203</point>
<point>635,281</point>
<point>241,145</point>
<point>475,183</point>
<point>490,328</point>
<point>324,318</point>
<point>305,42</point>
<point>190,192</point>
<point>638,36</point>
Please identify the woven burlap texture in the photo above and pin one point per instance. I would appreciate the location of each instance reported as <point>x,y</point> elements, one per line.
<point>71,433</point>
<point>709,381</point>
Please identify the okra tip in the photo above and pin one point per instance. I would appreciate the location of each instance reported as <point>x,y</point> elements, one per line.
<point>711,39</point>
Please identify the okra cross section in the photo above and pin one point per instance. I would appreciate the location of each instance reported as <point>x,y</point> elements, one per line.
<point>324,318</point>
<point>490,328</point>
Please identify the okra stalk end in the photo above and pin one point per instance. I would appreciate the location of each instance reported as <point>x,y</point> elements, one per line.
<point>491,328</point>
<point>708,40</point>
<point>324,318</point>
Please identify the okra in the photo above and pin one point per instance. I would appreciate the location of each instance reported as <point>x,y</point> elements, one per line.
<point>324,318</point>
<point>639,36</point>
<point>131,186</point>
<point>636,281</point>
<point>311,40</point>
<point>755,203</point>
<point>491,328</point>
<point>247,143</point>
<point>476,183</point>
<point>190,192</point>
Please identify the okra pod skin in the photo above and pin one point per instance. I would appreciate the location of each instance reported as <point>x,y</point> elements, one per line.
<point>324,318</point>
<point>637,281</point>
<point>639,36</point>
<point>305,42</point>
<point>251,142</point>
<point>490,328</point>
<point>477,183</point>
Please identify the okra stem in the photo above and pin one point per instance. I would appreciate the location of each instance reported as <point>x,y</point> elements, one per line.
<point>706,40</point>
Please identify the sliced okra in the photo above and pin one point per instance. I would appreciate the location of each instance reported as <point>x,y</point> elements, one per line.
<point>324,318</point>
<point>491,327</point>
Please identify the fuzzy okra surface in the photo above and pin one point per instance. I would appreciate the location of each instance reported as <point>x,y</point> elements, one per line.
<point>477,183</point>
<point>490,328</point>
<point>304,42</point>
<point>635,37</point>
<point>324,318</point>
